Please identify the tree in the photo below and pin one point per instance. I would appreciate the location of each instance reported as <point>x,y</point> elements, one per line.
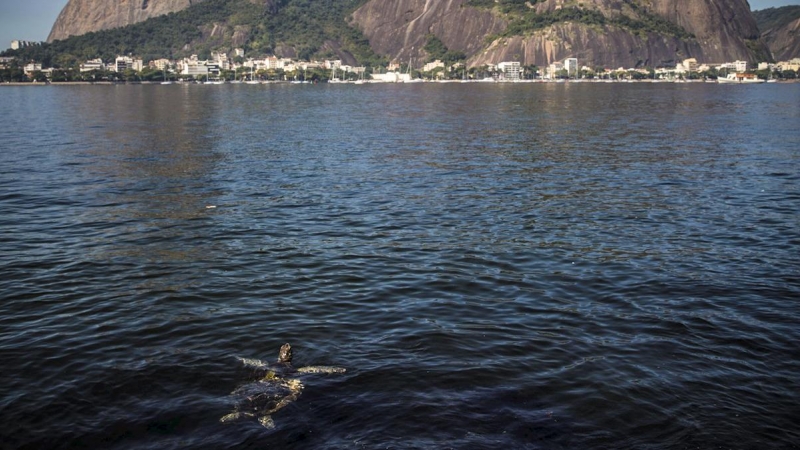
<point>38,76</point>
<point>130,75</point>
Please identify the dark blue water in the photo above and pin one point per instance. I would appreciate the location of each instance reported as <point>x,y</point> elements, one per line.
<point>505,266</point>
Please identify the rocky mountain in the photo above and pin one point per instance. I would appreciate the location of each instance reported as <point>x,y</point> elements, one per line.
<point>780,29</point>
<point>83,16</point>
<point>613,33</point>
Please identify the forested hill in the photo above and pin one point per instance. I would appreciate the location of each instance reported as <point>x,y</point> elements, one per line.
<point>291,28</point>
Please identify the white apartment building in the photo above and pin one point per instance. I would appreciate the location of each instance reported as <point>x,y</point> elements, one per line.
<point>510,69</point>
<point>794,65</point>
<point>92,64</point>
<point>333,64</point>
<point>123,63</point>
<point>32,67</point>
<point>571,66</point>
<point>16,45</point>
<point>554,68</point>
<point>221,59</point>
<point>433,65</point>
<point>161,64</point>
<point>273,63</point>
<point>195,68</point>
<point>687,65</point>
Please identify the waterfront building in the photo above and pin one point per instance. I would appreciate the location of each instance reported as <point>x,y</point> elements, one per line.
<point>511,70</point>
<point>221,59</point>
<point>433,65</point>
<point>332,64</point>
<point>161,64</point>
<point>92,64</point>
<point>789,65</point>
<point>123,63</point>
<point>306,65</point>
<point>686,66</point>
<point>571,66</point>
<point>272,62</point>
<point>195,68</point>
<point>554,68</point>
<point>32,67</point>
<point>391,77</point>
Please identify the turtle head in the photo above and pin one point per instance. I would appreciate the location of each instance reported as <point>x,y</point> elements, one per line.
<point>285,355</point>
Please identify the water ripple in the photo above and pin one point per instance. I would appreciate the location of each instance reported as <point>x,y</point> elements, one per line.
<point>537,266</point>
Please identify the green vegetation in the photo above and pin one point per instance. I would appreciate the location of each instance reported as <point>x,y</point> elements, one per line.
<point>524,20</point>
<point>305,26</point>
<point>504,6</point>
<point>436,49</point>
<point>760,51</point>
<point>772,18</point>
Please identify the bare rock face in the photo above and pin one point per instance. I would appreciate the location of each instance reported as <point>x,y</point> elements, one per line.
<point>721,26</point>
<point>605,46</point>
<point>84,16</point>
<point>721,29</point>
<point>784,42</point>
<point>399,28</point>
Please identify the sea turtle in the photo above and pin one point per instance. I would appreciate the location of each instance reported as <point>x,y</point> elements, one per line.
<point>272,389</point>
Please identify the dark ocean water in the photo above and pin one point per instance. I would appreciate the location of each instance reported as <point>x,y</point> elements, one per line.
<point>574,266</point>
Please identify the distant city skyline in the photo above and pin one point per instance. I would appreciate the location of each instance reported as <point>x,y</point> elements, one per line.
<point>31,20</point>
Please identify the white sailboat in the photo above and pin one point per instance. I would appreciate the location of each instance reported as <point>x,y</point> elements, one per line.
<point>333,76</point>
<point>410,79</point>
<point>252,79</point>
<point>165,77</point>
<point>360,80</point>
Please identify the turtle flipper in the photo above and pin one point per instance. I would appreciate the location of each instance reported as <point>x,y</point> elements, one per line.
<point>236,415</point>
<point>252,362</point>
<point>267,422</point>
<point>321,369</point>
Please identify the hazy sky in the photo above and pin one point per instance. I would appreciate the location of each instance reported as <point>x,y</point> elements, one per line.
<point>31,20</point>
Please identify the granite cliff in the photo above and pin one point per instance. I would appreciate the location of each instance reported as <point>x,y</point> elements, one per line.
<point>713,31</point>
<point>612,33</point>
<point>780,29</point>
<point>784,42</point>
<point>84,16</point>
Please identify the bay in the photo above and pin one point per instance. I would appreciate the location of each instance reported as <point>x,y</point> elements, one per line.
<point>496,266</point>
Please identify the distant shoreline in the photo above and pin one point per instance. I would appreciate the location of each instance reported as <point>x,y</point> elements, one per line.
<point>124,83</point>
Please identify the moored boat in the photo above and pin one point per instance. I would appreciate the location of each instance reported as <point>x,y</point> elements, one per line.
<point>740,78</point>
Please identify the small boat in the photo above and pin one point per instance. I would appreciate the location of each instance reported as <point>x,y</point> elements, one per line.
<point>740,78</point>
<point>165,77</point>
<point>252,79</point>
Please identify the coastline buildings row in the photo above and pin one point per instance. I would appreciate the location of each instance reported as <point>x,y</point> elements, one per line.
<point>505,71</point>
<point>195,67</point>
